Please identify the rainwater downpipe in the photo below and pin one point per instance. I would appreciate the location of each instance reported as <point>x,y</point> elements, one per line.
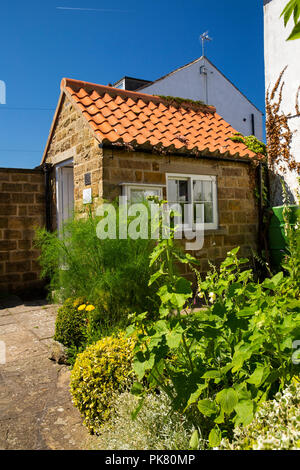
<point>48,196</point>
<point>203,71</point>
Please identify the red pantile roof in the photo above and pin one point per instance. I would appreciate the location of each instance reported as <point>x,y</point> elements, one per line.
<point>146,121</point>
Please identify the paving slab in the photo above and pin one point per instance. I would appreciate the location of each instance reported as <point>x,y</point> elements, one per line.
<point>36,411</point>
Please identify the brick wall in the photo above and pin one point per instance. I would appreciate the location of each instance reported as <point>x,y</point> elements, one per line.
<point>22,208</point>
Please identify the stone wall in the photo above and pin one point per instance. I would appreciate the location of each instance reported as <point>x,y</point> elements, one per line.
<point>237,208</point>
<point>72,138</point>
<point>22,208</point>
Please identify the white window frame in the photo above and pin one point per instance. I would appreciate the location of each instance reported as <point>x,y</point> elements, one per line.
<point>127,187</point>
<point>190,178</point>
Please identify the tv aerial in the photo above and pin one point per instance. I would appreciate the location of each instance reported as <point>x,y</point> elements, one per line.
<point>204,37</point>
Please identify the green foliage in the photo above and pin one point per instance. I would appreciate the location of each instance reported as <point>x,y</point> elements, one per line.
<point>291,262</point>
<point>251,142</point>
<point>70,324</point>
<point>158,427</point>
<point>292,8</point>
<point>178,101</point>
<point>276,425</point>
<point>113,274</point>
<point>225,361</point>
<point>100,372</point>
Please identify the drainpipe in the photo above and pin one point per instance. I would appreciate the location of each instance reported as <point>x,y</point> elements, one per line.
<point>204,72</point>
<point>48,196</point>
<point>252,124</point>
<point>260,206</point>
<point>264,214</point>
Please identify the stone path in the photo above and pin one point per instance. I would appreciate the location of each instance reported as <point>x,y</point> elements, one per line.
<point>35,405</point>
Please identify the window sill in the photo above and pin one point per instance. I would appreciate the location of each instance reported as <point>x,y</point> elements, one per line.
<point>216,231</point>
<point>210,231</point>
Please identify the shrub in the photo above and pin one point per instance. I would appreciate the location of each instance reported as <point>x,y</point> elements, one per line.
<point>99,372</point>
<point>276,425</point>
<point>157,427</point>
<point>228,359</point>
<point>70,325</point>
<point>113,274</point>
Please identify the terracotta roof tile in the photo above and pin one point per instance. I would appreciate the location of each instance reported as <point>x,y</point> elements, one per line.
<point>146,120</point>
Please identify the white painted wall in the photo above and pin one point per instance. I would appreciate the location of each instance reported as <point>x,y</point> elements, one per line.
<point>214,89</point>
<point>278,54</point>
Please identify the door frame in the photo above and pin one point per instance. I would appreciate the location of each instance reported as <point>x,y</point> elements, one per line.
<point>58,179</point>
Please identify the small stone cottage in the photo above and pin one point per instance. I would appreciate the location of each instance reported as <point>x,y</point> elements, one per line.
<point>105,142</point>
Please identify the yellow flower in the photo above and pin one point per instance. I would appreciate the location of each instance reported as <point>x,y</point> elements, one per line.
<point>82,307</point>
<point>89,308</point>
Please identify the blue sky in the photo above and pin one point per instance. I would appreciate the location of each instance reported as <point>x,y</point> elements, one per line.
<point>41,43</point>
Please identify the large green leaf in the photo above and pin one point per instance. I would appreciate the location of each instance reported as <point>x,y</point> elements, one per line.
<point>228,399</point>
<point>207,407</point>
<point>295,34</point>
<point>259,375</point>
<point>288,10</point>
<point>194,441</point>
<point>195,395</point>
<point>140,367</point>
<point>244,410</point>
<point>240,356</point>
<point>215,437</point>
<point>174,337</point>
<point>273,282</point>
<point>212,374</point>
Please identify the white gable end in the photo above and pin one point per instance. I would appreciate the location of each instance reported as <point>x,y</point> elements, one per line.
<point>201,80</point>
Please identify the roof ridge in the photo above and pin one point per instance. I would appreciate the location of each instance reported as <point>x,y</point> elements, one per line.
<point>181,103</point>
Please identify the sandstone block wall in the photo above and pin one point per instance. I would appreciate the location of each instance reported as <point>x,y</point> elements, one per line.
<point>237,206</point>
<point>73,139</point>
<point>22,208</point>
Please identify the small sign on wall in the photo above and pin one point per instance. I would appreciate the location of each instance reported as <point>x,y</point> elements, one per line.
<point>87,179</point>
<point>87,196</point>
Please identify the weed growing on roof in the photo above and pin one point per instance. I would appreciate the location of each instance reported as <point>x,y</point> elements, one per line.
<point>252,142</point>
<point>177,101</point>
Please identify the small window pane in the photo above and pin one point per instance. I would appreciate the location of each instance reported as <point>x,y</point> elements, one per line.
<point>183,191</point>
<point>203,211</point>
<point>140,195</point>
<point>172,190</point>
<point>178,190</point>
<point>207,190</point>
<point>202,190</point>
<point>208,213</point>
